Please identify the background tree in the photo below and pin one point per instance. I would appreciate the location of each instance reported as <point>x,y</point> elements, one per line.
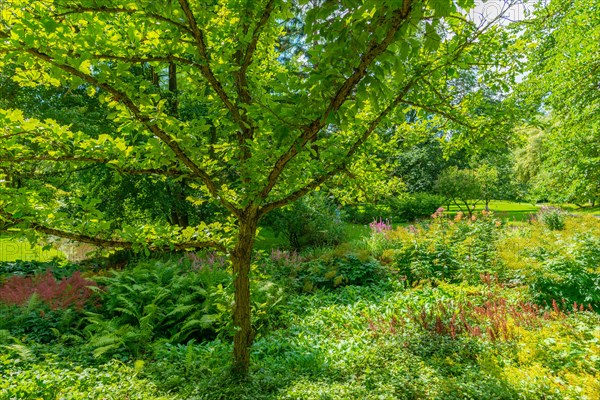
<point>461,187</point>
<point>562,89</point>
<point>266,125</point>
<point>487,178</point>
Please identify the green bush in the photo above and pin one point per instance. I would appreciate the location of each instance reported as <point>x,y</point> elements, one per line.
<point>570,279</point>
<point>311,221</point>
<point>38,322</point>
<point>450,250</point>
<point>409,207</point>
<point>42,308</point>
<point>23,268</point>
<point>414,206</point>
<point>330,270</point>
<point>552,217</point>
<point>172,301</point>
<point>366,213</point>
<point>156,300</point>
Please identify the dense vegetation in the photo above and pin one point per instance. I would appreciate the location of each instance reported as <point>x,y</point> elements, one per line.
<point>214,199</point>
<point>453,307</point>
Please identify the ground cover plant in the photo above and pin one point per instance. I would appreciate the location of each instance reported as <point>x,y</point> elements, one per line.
<point>455,307</point>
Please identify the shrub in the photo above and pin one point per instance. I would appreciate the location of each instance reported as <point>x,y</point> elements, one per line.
<point>414,206</point>
<point>37,322</point>
<point>552,217</point>
<point>451,250</point>
<point>172,301</point>
<point>365,213</point>
<point>311,221</point>
<point>330,270</point>
<point>43,308</point>
<point>571,279</point>
<point>74,291</point>
<point>59,269</point>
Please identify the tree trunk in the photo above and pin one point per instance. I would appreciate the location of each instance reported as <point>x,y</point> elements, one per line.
<point>241,259</point>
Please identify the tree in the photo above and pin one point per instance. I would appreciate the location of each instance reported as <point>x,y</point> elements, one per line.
<point>461,187</point>
<point>561,89</point>
<point>487,177</point>
<point>273,112</point>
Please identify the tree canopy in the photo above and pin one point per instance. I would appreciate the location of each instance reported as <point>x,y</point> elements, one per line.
<point>561,84</point>
<point>246,104</point>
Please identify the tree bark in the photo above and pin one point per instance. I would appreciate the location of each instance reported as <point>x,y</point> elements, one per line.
<point>241,260</point>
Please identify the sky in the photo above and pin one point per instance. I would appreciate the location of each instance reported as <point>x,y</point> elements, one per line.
<point>489,9</point>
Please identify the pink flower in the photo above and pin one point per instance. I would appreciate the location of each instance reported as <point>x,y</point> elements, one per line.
<point>380,226</point>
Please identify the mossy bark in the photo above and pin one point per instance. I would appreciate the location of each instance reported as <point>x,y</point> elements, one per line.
<point>241,258</point>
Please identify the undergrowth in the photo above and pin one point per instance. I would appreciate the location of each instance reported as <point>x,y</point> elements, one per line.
<point>459,308</point>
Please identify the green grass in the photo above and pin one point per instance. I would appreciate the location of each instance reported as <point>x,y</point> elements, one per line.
<point>12,249</point>
<point>572,208</point>
<point>509,210</point>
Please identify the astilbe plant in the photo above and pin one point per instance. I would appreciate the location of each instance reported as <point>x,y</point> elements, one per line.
<point>72,292</point>
<point>210,261</point>
<point>380,226</point>
<point>286,257</point>
<point>552,217</point>
<point>494,320</point>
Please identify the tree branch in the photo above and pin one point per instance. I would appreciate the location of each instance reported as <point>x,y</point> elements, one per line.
<point>344,160</point>
<point>310,131</point>
<point>440,112</point>
<point>101,161</point>
<point>101,242</point>
<point>244,56</point>
<point>119,10</point>
<point>205,69</point>
<point>124,99</point>
<point>9,135</point>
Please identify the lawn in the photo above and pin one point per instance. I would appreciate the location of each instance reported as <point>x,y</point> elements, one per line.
<point>510,210</point>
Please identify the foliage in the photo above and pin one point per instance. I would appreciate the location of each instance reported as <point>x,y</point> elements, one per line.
<point>561,96</point>
<point>365,213</point>
<point>488,329</point>
<point>173,301</point>
<point>74,291</point>
<point>552,217</point>
<point>155,300</point>
<point>59,269</point>
<point>488,178</point>
<point>330,270</point>
<point>311,221</point>
<point>571,279</point>
<point>36,321</point>
<point>420,165</point>
<point>414,206</point>
<point>224,100</point>
<point>452,250</point>
<point>45,309</point>
<point>51,378</point>
<point>339,345</point>
<point>461,187</point>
